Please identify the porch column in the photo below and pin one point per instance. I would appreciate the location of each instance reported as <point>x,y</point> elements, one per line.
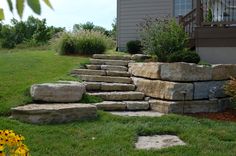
<point>198,13</point>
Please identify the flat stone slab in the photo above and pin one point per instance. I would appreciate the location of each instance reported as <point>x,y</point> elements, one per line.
<point>140,57</point>
<point>137,105</point>
<point>112,57</point>
<point>111,106</point>
<point>118,73</point>
<point>138,114</point>
<point>109,62</point>
<point>223,71</point>
<point>93,67</point>
<point>54,113</point>
<point>164,89</point>
<point>114,68</point>
<point>180,72</point>
<point>58,92</point>
<point>89,72</point>
<point>199,106</point>
<point>110,79</point>
<point>119,96</point>
<point>102,86</point>
<point>158,142</point>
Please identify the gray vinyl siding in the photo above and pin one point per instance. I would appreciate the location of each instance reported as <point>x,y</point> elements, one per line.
<point>131,12</point>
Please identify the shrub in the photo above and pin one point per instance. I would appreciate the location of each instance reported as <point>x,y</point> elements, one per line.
<point>134,47</point>
<point>186,56</point>
<point>82,43</point>
<point>162,38</point>
<point>230,88</point>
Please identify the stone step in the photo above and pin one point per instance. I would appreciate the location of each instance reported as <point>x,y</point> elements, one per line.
<point>113,68</point>
<point>119,96</point>
<point>54,113</point>
<point>109,79</point>
<point>112,57</point>
<point>89,72</point>
<point>102,86</point>
<point>100,72</point>
<point>123,105</point>
<point>93,67</point>
<point>109,62</point>
<point>137,113</point>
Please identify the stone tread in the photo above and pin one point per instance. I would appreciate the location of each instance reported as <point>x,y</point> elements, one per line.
<point>100,72</point>
<point>119,96</point>
<point>103,86</point>
<point>112,57</point>
<point>113,68</point>
<point>123,105</point>
<point>109,62</point>
<point>109,79</point>
<point>54,113</point>
<point>137,114</point>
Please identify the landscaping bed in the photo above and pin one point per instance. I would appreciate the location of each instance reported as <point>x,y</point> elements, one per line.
<point>227,115</point>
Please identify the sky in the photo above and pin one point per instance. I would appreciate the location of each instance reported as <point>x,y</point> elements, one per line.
<point>66,13</point>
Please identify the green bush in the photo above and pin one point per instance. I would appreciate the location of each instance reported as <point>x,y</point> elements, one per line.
<point>82,43</point>
<point>186,56</point>
<point>134,47</point>
<point>162,38</point>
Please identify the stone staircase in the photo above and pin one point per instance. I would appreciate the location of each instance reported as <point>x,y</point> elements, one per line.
<point>107,77</point>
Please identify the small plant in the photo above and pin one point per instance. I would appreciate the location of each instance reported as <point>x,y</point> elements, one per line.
<point>230,88</point>
<point>11,144</point>
<point>134,47</point>
<point>186,56</point>
<point>162,38</point>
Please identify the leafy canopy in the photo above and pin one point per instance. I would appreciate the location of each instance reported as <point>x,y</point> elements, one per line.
<point>20,5</point>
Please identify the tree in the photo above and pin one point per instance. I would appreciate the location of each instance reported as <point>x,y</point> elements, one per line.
<point>20,5</point>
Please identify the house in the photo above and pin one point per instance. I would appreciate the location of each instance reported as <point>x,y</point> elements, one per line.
<point>211,24</point>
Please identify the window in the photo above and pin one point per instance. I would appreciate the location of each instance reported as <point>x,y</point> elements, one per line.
<point>182,7</point>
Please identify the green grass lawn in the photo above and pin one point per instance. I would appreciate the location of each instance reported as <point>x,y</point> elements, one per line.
<point>108,135</point>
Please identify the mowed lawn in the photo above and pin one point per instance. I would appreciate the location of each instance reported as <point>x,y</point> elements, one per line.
<point>20,69</point>
<point>108,135</point>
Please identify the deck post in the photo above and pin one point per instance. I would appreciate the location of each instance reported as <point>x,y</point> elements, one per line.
<point>198,13</point>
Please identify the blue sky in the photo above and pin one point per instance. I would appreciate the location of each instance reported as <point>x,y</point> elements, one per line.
<point>66,13</point>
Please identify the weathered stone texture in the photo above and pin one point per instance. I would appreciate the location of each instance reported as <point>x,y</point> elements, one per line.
<point>164,89</point>
<point>146,70</point>
<point>58,92</point>
<point>54,113</point>
<point>137,105</point>
<point>209,90</point>
<point>223,71</point>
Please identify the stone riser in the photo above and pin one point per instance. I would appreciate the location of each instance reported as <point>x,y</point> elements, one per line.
<point>201,106</point>
<point>107,67</point>
<point>109,62</point>
<point>100,73</point>
<point>109,79</point>
<point>111,57</point>
<point>54,113</point>
<point>119,96</point>
<point>101,86</point>
<point>123,105</point>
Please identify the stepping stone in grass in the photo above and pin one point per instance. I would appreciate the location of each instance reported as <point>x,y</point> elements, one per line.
<point>138,114</point>
<point>158,142</point>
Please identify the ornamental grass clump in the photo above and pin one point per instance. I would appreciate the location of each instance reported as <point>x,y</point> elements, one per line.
<point>83,42</point>
<point>12,144</point>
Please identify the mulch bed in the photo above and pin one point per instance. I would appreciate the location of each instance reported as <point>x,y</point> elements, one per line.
<point>228,115</point>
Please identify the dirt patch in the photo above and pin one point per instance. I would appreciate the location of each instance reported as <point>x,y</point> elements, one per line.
<point>228,115</point>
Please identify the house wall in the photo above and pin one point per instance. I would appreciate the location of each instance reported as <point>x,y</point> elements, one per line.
<point>132,12</point>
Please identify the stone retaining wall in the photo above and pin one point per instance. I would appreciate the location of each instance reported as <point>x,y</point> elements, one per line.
<point>182,86</point>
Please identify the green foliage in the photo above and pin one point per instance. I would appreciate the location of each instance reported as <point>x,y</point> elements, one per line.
<point>209,15</point>
<point>134,47</point>
<point>82,43</point>
<point>32,32</point>
<point>162,38</point>
<point>186,56</point>
<point>90,99</point>
<point>20,5</point>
